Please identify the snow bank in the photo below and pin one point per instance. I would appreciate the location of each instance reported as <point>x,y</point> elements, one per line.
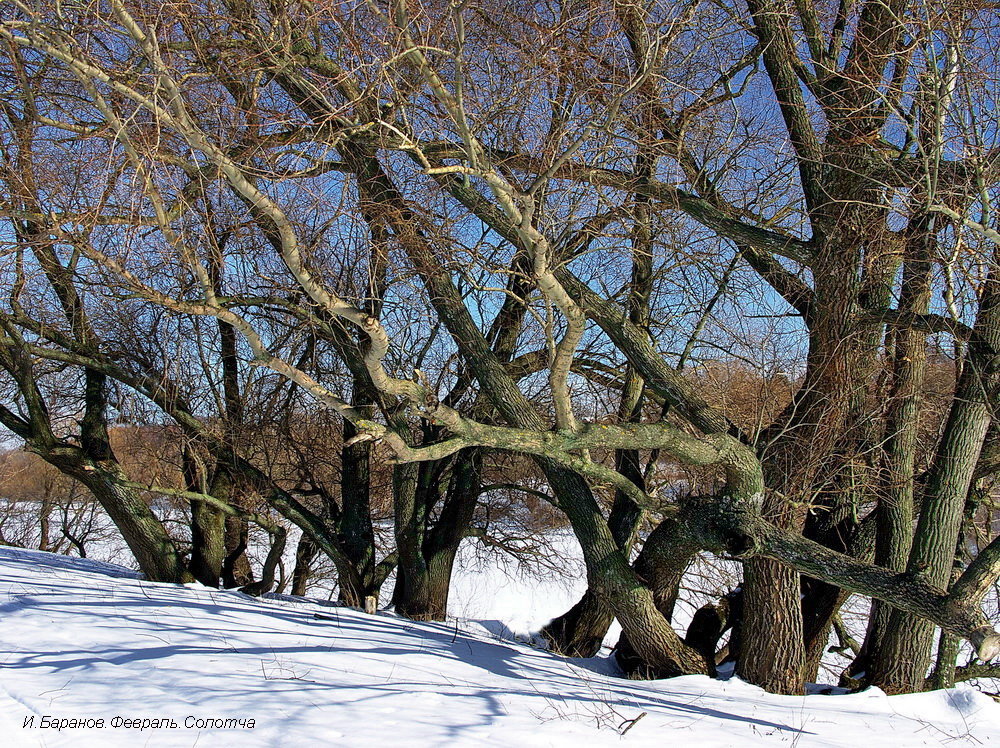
<point>88,641</point>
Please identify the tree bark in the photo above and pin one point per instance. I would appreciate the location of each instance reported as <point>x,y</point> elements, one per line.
<point>901,665</point>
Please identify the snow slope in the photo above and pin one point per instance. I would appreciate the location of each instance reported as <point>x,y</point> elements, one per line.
<point>80,639</point>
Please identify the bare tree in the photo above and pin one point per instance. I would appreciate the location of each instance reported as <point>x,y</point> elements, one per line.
<point>547,182</point>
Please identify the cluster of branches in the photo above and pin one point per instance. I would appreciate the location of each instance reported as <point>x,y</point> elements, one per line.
<point>491,237</point>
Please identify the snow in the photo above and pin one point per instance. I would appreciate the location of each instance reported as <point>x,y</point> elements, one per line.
<point>82,639</point>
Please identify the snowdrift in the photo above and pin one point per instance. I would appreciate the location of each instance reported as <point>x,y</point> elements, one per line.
<point>93,655</point>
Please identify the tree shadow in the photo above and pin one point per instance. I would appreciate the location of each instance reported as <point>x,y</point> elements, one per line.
<point>304,648</point>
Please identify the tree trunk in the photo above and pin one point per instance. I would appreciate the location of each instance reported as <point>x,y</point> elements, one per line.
<point>208,543</point>
<point>580,631</point>
<point>144,534</point>
<point>710,622</point>
<point>44,520</point>
<point>611,578</point>
<point>947,660</point>
<point>423,592</point>
<point>895,509</point>
<point>236,571</point>
<point>901,665</point>
<point>821,601</point>
<point>773,651</point>
<point>354,523</point>
<point>411,595</point>
<point>661,563</point>
<point>305,552</point>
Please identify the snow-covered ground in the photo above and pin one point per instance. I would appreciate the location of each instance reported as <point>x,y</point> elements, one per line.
<point>81,640</point>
